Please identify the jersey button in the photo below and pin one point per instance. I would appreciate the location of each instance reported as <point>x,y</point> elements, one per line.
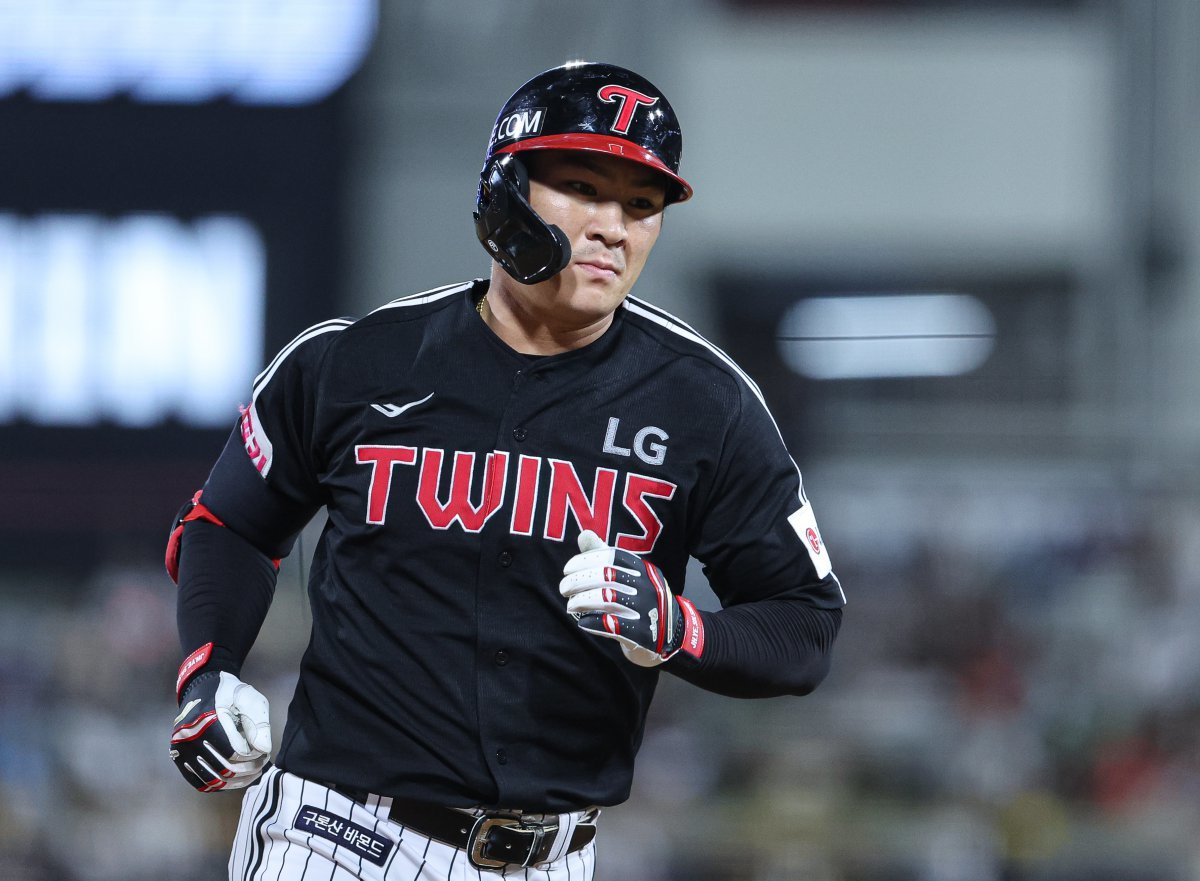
<point>505,559</point>
<point>501,658</point>
<point>519,434</point>
<point>501,757</point>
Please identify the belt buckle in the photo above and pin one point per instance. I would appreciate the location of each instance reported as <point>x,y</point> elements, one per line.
<point>478,840</point>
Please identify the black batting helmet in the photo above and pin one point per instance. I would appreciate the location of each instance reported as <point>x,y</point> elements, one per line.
<point>582,105</point>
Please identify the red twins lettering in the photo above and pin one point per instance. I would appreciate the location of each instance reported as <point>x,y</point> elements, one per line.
<point>469,500</point>
<point>630,100</point>
<point>525,503</point>
<point>567,493</point>
<point>381,459</point>
<point>459,506</point>
<point>637,490</point>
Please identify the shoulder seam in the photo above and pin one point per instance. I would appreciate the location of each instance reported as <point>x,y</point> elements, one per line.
<point>337,324</point>
<point>666,320</point>
<point>429,296</point>
<point>330,326</point>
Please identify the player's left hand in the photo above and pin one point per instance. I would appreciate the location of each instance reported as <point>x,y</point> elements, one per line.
<point>618,595</point>
<point>222,736</point>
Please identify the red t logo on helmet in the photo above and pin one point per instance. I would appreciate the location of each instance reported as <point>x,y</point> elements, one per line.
<point>629,99</point>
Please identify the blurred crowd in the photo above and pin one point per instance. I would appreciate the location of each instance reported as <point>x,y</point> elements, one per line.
<point>1021,715</point>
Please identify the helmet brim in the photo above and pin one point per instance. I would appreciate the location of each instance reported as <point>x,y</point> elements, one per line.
<point>609,146</point>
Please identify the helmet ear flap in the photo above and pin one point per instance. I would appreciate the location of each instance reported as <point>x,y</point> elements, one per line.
<point>526,247</point>
<point>520,173</point>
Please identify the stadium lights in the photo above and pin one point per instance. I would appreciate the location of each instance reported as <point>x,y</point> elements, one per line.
<point>878,336</point>
<point>128,321</point>
<point>253,51</point>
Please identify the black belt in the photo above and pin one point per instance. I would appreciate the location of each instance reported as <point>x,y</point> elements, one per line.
<point>492,840</point>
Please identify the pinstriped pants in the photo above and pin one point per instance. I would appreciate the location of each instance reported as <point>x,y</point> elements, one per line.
<point>292,829</point>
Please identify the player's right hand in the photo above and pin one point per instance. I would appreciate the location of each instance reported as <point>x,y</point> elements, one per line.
<point>222,736</point>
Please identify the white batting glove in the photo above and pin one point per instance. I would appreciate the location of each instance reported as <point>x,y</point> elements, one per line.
<point>618,595</point>
<point>222,736</point>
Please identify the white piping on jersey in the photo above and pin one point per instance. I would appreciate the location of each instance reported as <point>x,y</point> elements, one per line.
<point>429,296</point>
<point>671,323</point>
<point>316,330</point>
<point>341,323</point>
<point>335,324</point>
<point>266,448</point>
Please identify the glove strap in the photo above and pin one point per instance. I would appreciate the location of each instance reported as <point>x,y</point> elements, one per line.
<point>693,628</point>
<point>191,666</point>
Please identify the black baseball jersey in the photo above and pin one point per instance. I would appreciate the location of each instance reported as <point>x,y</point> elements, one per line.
<point>457,475</point>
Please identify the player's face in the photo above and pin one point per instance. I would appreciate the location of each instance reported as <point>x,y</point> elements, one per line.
<point>611,210</point>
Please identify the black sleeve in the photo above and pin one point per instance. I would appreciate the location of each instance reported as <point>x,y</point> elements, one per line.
<point>767,563</point>
<point>266,484</point>
<point>263,489</point>
<point>225,590</point>
<point>763,649</point>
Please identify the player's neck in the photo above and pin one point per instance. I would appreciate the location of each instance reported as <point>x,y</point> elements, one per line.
<point>535,326</point>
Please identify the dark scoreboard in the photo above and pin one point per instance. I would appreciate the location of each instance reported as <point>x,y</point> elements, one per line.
<point>157,242</point>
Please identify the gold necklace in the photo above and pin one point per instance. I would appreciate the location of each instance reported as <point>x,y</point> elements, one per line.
<point>479,305</point>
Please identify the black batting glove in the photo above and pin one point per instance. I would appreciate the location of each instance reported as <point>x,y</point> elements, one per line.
<point>618,595</point>
<point>222,736</point>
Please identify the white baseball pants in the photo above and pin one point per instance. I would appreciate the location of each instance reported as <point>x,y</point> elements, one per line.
<point>292,829</point>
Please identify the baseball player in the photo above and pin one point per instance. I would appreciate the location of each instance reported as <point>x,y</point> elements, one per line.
<point>516,470</point>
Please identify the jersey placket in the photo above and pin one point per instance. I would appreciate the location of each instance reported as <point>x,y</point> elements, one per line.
<point>503,651</point>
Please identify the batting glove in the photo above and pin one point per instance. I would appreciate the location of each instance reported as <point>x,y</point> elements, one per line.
<point>222,737</point>
<point>618,595</point>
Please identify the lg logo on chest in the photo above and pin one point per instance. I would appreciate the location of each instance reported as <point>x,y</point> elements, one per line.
<point>646,443</point>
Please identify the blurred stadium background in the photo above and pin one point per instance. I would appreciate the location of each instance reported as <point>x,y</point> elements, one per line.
<point>957,242</point>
